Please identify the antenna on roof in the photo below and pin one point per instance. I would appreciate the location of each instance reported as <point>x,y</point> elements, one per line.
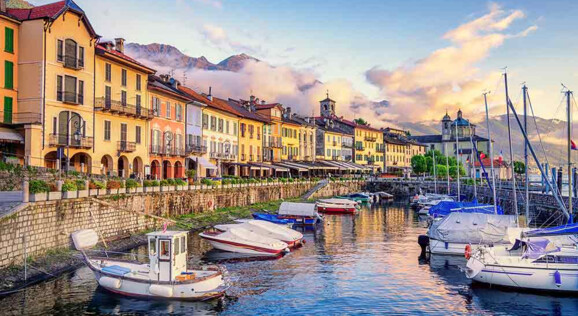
<point>184,78</point>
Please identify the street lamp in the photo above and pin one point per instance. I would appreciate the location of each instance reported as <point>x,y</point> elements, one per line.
<point>77,137</point>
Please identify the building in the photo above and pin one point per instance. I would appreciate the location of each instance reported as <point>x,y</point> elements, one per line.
<point>369,147</point>
<point>330,141</point>
<point>307,137</point>
<point>272,142</point>
<point>290,137</point>
<point>446,142</point>
<point>501,169</point>
<point>195,149</point>
<point>167,128</point>
<point>399,149</point>
<point>56,85</point>
<point>121,112</point>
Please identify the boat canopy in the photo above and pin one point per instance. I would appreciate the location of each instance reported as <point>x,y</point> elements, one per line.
<point>535,247</point>
<point>298,209</point>
<point>444,208</point>
<point>571,229</point>
<point>472,228</point>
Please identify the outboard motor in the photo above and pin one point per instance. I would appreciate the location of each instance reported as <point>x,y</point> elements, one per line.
<point>423,242</point>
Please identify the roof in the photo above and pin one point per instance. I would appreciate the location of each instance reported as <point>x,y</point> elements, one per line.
<point>223,105</point>
<point>156,83</point>
<point>323,125</point>
<point>102,51</point>
<point>327,99</point>
<point>462,122</point>
<point>195,96</point>
<point>395,141</point>
<point>438,139</point>
<point>245,113</point>
<point>52,11</point>
<point>267,106</point>
<point>488,163</point>
<point>10,17</point>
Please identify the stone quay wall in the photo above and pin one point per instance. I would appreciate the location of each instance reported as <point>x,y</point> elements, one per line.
<point>45,226</point>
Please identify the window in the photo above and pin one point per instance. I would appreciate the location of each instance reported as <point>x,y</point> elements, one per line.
<point>235,128</point>
<point>137,133</point>
<point>177,246</point>
<point>81,92</point>
<point>178,112</point>
<point>183,244</point>
<point>227,127</point>
<point>221,123</point>
<point>205,121</point>
<point>156,106</point>
<point>108,72</point>
<point>106,130</point>
<point>123,98</point>
<point>70,89</point>
<point>8,75</point>
<point>138,82</point>
<point>213,123</point>
<point>138,103</point>
<point>8,40</point>
<point>168,110</point>
<point>59,88</point>
<point>107,95</point>
<point>59,50</point>
<point>242,129</point>
<point>54,125</point>
<point>152,247</point>
<point>165,249</point>
<point>80,56</point>
<point>123,77</point>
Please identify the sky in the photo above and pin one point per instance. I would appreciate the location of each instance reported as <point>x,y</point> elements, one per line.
<point>424,57</point>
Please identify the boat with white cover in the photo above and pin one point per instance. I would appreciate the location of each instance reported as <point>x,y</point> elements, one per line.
<point>165,276</point>
<point>299,213</point>
<point>289,236</point>
<point>241,240</point>
<point>337,206</point>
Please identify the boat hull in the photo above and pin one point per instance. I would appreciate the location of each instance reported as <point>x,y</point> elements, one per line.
<point>336,209</point>
<point>242,248</point>
<point>448,248</point>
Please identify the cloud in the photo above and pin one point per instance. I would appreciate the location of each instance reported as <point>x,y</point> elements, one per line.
<point>218,37</point>
<point>213,3</point>
<point>448,78</point>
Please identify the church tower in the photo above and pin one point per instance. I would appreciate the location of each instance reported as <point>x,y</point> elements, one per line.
<point>327,107</point>
<point>446,127</point>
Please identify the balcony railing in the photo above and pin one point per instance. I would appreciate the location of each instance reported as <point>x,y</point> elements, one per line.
<point>73,141</point>
<point>251,158</point>
<point>192,148</point>
<point>347,145</point>
<point>243,156</point>
<point>380,149</point>
<point>126,146</point>
<point>358,147</point>
<point>167,150</point>
<point>115,106</point>
<point>222,156</point>
<point>335,158</point>
<point>70,97</point>
<point>370,138</point>
<point>72,62</point>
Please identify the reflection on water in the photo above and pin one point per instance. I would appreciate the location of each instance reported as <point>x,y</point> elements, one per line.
<point>350,264</point>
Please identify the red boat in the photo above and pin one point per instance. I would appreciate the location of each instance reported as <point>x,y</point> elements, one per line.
<point>338,206</point>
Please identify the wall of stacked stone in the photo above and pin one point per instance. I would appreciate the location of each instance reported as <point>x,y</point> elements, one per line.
<point>48,225</point>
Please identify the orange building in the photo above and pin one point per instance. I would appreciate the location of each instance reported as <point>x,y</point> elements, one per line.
<point>167,128</point>
<point>272,143</point>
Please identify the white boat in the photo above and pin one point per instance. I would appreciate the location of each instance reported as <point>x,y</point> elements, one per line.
<point>299,213</point>
<point>450,234</point>
<point>384,196</point>
<point>289,236</point>
<point>241,240</point>
<point>532,263</point>
<point>165,276</point>
<point>337,206</point>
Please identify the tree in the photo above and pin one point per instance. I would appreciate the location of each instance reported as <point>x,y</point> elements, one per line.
<point>519,167</point>
<point>453,171</point>
<point>418,164</point>
<point>360,121</point>
<point>441,171</point>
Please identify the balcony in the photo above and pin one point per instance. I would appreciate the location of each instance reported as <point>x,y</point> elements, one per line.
<point>380,150</point>
<point>370,138</point>
<point>359,147</point>
<point>20,117</point>
<point>70,97</point>
<point>178,151</point>
<point>222,156</point>
<point>73,141</point>
<point>124,146</point>
<point>335,158</point>
<point>115,106</point>
<point>72,62</point>
<point>347,145</point>
<point>198,149</point>
<point>251,158</point>
<point>161,150</point>
<point>243,157</point>
<point>258,157</point>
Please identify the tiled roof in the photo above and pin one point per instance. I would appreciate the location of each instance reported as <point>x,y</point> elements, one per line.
<point>101,50</point>
<point>195,96</point>
<point>320,122</point>
<point>246,113</point>
<point>266,106</point>
<point>156,83</point>
<point>488,163</point>
<point>223,105</point>
<point>395,141</point>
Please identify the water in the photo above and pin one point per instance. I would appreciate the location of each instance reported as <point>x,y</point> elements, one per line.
<point>350,265</point>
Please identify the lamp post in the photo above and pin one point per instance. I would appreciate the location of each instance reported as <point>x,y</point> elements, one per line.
<point>168,139</point>
<point>77,136</point>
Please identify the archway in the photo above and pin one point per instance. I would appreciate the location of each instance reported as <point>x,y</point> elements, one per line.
<point>106,165</point>
<point>167,170</point>
<point>123,167</point>
<point>81,162</point>
<point>137,167</point>
<point>178,169</point>
<point>51,161</point>
<point>155,170</point>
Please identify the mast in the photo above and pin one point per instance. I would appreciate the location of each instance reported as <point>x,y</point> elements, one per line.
<point>458,160</point>
<point>472,161</point>
<point>569,117</point>
<point>434,169</point>
<point>510,144</point>
<point>491,153</point>
<point>447,166</point>
<point>526,187</point>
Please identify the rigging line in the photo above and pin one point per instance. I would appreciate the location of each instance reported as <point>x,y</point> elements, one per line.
<point>538,130</point>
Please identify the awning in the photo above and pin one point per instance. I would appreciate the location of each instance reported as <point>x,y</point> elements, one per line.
<point>322,166</point>
<point>338,164</point>
<point>259,166</point>
<point>293,167</point>
<point>279,168</point>
<point>8,135</point>
<point>205,163</point>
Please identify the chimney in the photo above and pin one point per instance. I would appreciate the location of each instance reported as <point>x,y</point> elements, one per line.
<point>174,82</point>
<point>164,78</point>
<point>3,5</point>
<point>262,102</point>
<point>108,45</point>
<point>119,44</point>
<point>210,95</point>
<point>288,112</point>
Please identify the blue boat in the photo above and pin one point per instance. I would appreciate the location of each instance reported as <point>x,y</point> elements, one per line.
<point>444,208</point>
<point>285,219</point>
<point>273,218</point>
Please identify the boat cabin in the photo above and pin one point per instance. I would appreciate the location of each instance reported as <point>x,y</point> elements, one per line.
<point>167,254</point>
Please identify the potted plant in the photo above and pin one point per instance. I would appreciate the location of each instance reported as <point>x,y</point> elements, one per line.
<point>151,185</point>
<point>69,189</point>
<point>96,188</point>
<point>180,184</point>
<point>113,186</point>
<point>54,193</point>
<point>191,173</point>
<point>38,190</point>
<point>131,185</point>
<point>81,187</point>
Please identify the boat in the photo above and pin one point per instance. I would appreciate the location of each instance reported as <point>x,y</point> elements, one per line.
<point>165,276</point>
<point>357,197</point>
<point>273,218</point>
<point>289,236</point>
<point>300,214</point>
<point>241,240</point>
<point>384,196</point>
<point>337,206</point>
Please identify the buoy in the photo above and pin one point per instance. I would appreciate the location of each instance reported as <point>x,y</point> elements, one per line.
<point>557,278</point>
<point>468,252</point>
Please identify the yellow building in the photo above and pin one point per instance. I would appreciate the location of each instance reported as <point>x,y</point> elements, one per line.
<point>122,111</point>
<point>290,139</point>
<point>55,84</point>
<point>272,144</point>
<point>399,150</point>
<point>369,147</point>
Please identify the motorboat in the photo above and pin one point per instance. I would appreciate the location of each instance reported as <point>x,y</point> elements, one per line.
<point>272,218</point>
<point>165,275</point>
<point>384,196</point>
<point>451,234</point>
<point>241,240</point>
<point>289,236</point>
<point>540,259</point>
<point>419,201</point>
<point>300,214</point>
<point>357,197</point>
<point>337,206</point>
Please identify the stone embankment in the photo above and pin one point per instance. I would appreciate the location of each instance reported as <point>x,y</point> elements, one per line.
<point>44,226</point>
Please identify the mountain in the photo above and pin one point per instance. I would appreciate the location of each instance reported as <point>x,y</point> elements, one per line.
<point>171,57</point>
<point>18,4</point>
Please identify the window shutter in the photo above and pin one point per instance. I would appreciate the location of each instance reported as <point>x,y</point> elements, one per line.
<point>81,92</point>
<point>8,75</point>
<point>60,50</point>
<point>9,40</point>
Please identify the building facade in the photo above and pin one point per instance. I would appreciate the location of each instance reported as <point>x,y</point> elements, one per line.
<point>272,142</point>
<point>369,146</point>
<point>221,137</point>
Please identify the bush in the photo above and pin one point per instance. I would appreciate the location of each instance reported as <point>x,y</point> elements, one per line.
<point>38,186</point>
<point>113,184</point>
<point>132,183</point>
<point>291,180</point>
<point>269,180</point>
<point>283,180</point>
<point>150,183</point>
<point>164,183</point>
<point>80,184</point>
<point>315,179</point>
<point>69,185</point>
<point>191,173</point>
<point>180,182</point>
<point>171,181</point>
<point>95,184</point>
<point>227,181</point>
<point>206,181</point>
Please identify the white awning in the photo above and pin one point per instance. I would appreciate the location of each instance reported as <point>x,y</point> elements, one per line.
<point>10,135</point>
<point>205,163</point>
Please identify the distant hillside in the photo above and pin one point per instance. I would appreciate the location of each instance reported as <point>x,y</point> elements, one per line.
<point>17,4</point>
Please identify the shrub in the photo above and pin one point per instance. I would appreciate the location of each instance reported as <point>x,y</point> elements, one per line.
<point>95,184</point>
<point>38,186</point>
<point>270,180</point>
<point>171,181</point>
<point>206,181</point>
<point>291,179</point>
<point>113,184</point>
<point>164,183</point>
<point>227,181</point>
<point>191,173</point>
<point>132,183</point>
<point>283,180</point>
<point>180,182</point>
<point>69,185</point>
<point>80,184</point>
<point>150,183</point>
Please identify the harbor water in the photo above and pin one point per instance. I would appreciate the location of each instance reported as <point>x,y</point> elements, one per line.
<point>367,263</point>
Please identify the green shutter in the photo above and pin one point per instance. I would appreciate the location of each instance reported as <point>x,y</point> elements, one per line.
<point>8,110</point>
<point>9,40</point>
<point>8,75</point>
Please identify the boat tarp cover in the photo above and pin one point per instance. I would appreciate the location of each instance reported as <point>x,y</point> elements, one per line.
<point>571,229</point>
<point>444,208</point>
<point>472,228</point>
<point>298,209</point>
<point>535,247</point>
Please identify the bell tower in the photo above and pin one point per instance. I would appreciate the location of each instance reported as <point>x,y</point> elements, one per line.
<point>327,107</point>
<point>446,127</point>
